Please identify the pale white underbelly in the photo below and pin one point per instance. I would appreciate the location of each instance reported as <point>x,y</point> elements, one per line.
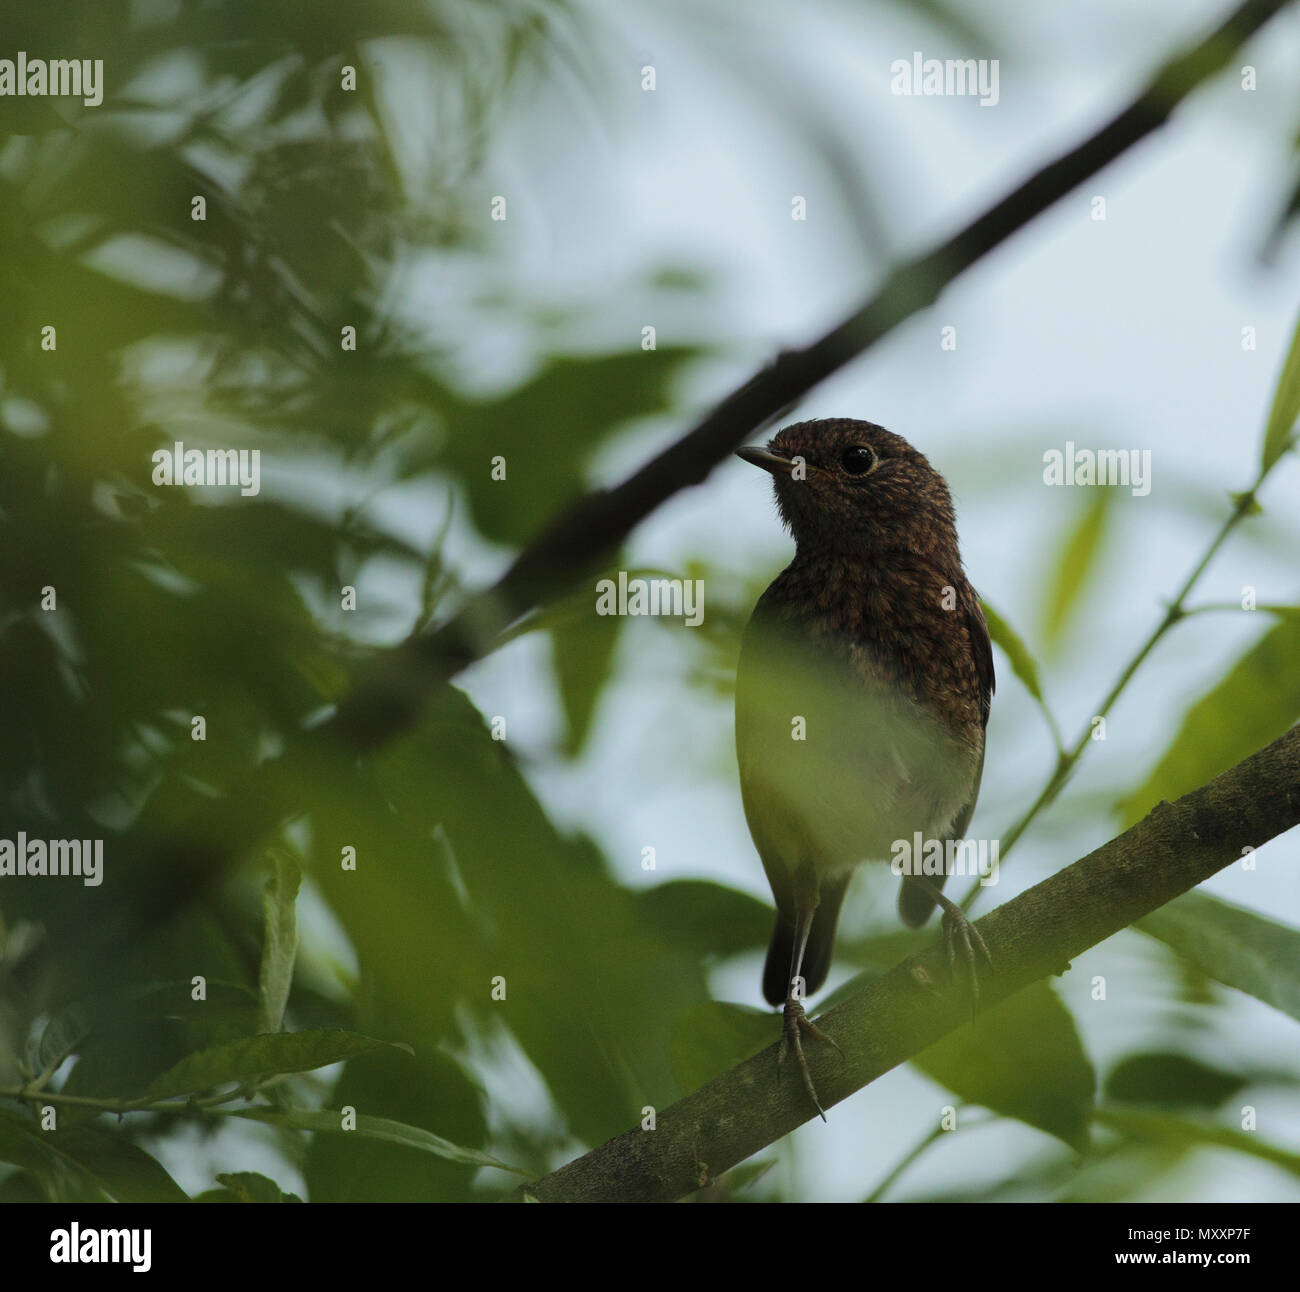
<point>873,767</point>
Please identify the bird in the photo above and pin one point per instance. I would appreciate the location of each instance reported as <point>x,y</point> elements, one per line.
<point>863,689</point>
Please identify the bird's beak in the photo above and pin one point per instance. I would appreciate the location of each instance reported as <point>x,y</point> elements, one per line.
<point>771,462</point>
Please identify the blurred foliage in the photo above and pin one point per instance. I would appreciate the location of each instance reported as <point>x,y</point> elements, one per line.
<point>170,604</point>
<point>584,661</point>
<point>1024,1059</point>
<point>1170,1079</point>
<point>1077,563</point>
<point>1238,947</point>
<point>1279,432</point>
<point>246,1186</point>
<point>1023,664</point>
<point>476,995</point>
<point>1256,700</point>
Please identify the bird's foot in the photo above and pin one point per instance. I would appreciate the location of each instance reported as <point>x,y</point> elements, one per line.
<point>962,940</point>
<point>793,1022</point>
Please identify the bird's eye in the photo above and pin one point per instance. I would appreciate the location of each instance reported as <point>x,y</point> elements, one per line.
<point>858,460</point>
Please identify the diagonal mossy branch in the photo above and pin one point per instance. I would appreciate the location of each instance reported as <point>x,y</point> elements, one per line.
<point>1175,847</point>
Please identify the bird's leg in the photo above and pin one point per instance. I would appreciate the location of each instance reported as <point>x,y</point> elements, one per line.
<point>794,1020</point>
<point>960,937</point>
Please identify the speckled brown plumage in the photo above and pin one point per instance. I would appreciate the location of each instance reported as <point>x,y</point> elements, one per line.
<point>872,644</point>
<point>874,562</point>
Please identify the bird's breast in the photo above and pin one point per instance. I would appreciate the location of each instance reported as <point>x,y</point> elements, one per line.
<point>838,760</point>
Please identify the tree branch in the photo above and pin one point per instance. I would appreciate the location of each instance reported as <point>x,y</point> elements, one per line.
<point>389,700</point>
<point>583,537</point>
<point>1174,848</point>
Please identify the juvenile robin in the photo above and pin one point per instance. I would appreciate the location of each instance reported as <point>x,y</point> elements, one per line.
<point>862,696</point>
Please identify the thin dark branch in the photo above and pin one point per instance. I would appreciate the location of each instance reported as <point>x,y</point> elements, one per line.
<point>584,537</point>
<point>895,1017</point>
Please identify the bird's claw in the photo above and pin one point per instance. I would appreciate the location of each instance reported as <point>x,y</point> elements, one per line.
<point>794,1021</point>
<point>961,937</point>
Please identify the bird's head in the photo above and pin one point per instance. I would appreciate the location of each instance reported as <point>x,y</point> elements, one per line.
<point>853,485</point>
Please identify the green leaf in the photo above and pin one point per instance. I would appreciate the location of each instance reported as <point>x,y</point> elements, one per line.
<point>1251,705</point>
<point>477,899</point>
<point>380,1128</point>
<point>1286,407</point>
<point>262,1056</point>
<point>249,1186</point>
<point>713,1036</point>
<point>1022,1059</point>
<point>1179,1132</point>
<point>427,1090</point>
<point>21,1186</point>
<point>704,918</point>
<point>1234,946</point>
<point>1166,1079</point>
<point>82,1163</point>
<point>573,400</point>
<point>63,1033</point>
<point>125,1170</point>
<point>1022,662</point>
<point>584,657</point>
<point>1076,565</point>
<point>279,939</point>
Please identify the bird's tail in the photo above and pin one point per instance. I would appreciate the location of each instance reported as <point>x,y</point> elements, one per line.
<point>817,954</point>
<point>915,903</point>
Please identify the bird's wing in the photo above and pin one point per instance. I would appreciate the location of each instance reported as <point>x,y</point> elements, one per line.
<point>981,652</point>
<point>914,903</point>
